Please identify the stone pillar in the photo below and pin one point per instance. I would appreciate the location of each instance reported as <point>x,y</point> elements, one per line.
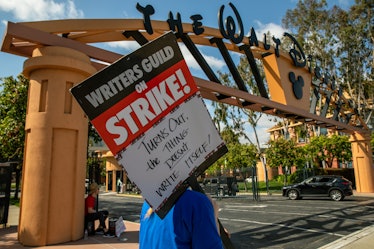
<point>362,156</point>
<point>52,201</point>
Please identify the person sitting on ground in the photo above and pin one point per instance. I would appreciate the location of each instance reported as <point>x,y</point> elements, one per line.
<point>91,213</point>
<point>191,223</point>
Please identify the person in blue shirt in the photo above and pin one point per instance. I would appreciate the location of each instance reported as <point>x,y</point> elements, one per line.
<point>191,223</point>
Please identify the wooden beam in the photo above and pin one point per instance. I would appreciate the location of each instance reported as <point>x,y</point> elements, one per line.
<point>207,86</point>
<point>45,39</point>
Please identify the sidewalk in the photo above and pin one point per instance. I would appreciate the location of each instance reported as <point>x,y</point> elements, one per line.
<point>8,237</point>
<point>363,239</point>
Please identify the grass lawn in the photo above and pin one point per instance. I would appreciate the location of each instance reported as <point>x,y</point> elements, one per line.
<point>275,187</point>
<point>14,201</point>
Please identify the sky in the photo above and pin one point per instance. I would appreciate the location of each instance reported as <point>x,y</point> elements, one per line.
<point>263,16</point>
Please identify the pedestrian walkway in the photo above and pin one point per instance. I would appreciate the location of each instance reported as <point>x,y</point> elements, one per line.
<point>8,237</point>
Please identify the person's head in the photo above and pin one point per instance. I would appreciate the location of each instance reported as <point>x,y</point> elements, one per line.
<point>93,187</point>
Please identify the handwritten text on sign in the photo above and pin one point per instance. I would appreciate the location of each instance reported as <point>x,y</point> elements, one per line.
<point>166,155</point>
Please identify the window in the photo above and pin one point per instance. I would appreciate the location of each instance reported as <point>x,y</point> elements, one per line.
<point>325,179</point>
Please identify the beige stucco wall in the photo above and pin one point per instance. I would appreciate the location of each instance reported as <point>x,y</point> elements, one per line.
<point>52,201</point>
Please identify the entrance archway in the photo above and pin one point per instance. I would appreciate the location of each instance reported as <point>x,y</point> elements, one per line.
<point>60,57</point>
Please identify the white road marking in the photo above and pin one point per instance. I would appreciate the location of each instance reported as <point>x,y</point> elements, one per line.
<point>290,213</point>
<point>282,225</point>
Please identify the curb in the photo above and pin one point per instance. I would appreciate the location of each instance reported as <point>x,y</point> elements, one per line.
<point>351,238</point>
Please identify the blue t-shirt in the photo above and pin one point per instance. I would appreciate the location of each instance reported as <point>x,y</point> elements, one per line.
<point>189,224</point>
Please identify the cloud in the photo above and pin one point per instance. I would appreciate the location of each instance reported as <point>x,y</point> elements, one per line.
<point>126,45</point>
<point>31,10</point>
<point>212,61</point>
<point>274,29</point>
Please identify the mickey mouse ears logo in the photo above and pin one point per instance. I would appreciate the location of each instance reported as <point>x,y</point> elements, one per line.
<point>297,85</point>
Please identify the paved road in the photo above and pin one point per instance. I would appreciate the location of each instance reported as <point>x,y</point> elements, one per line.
<point>274,221</point>
<point>127,207</point>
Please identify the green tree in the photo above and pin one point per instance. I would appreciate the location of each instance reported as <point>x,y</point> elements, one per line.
<point>13,103</point>
<point>309,23</point>
<point>354,31</point>
<point>229,136</point>
<point>234,117</point>
<point>284,153</point>
<point>341,43</point>
<point>326,149</point>
<point>238,159</point>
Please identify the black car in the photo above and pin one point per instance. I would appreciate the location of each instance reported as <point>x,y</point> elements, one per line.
<point>219,186</point>
<point>335,187</point>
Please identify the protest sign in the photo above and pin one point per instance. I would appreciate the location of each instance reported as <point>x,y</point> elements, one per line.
<point>148,110</point>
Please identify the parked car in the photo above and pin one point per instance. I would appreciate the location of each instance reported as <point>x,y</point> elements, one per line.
<point>335,187</point>
<point>219,186</point>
